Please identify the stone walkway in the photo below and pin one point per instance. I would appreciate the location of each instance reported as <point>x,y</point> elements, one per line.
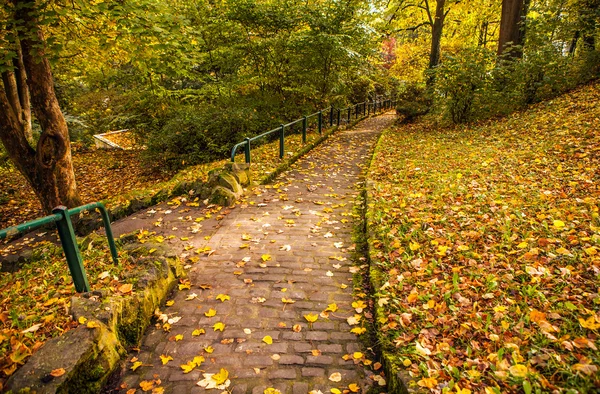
<point>280,255</point>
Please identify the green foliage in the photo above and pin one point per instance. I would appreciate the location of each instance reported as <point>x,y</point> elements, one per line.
<point>188,76</point>
<point>475,85</point>
<point>413,101</point>
<point>459,79</point>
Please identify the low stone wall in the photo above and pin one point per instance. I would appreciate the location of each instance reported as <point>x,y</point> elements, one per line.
<point>90,353</point>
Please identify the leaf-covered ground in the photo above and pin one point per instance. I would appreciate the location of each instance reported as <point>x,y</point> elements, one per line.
<point>100,174</point>
<point>488,239</point>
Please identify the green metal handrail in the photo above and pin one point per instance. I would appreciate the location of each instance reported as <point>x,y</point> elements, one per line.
<point>364,108</point>
<point>62,217</point>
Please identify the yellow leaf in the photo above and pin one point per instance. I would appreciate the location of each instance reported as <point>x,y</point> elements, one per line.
<point>463,248</point>
<point>198,331</point>
<point>335,391</point>
<point>222,297</point>
<point>170,303</point>
<point>354,387</point>
<point>93,324</point>
<point>268,340</point>
<point>559,224</point>
<point>271,390</point>
<point>198,360</point>
<point>428,382</point>
<point>359,305</point>
<point>563,251</point>
<point>522,245</point>
<point>589,323</point>
<point>178,337</point>
<point>358,330</point>
<point>136,365</point>
<point>219,326</point>
<point>165,359</point>
<point>518,370</point>
<point>406,362</point>
<point>209,349</point>
<point>331,308</point>
<point>210,313</point>
<point>189,367</point>
<point>287,301</point>
<point>265,257</point>
<point>311,318</point>
<point>414,246</point>
<point>357,355</point>
<point>591,251</point>
<point>221,377</point>
<point>82,320</point>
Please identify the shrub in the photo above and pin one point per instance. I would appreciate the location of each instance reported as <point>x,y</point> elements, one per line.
<point>413,101</point>
<point>459,79</point>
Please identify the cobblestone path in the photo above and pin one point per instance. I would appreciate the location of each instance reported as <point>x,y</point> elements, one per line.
<point>280,255</point>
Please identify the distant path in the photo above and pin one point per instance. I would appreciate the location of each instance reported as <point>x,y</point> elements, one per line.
<point>301,222</point>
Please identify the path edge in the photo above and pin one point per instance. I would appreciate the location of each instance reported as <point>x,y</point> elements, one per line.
<point>398,380</point>
<point>281,168</point>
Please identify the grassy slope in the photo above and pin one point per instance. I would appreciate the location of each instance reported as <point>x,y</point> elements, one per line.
<point>488,238</point>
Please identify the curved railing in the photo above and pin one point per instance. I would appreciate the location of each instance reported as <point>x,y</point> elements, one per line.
<point>336,117</point>
<point>62,217</point>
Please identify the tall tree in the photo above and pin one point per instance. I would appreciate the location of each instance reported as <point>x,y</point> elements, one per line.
<point>47,167</point>
<point>512,27</point>
<point>437,26</point>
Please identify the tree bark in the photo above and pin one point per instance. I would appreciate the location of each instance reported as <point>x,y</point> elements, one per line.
<point>436,33</point>
<point>512,28</point>
<point>17,94</point>
<point>48,168</point>
<point>573,44</point>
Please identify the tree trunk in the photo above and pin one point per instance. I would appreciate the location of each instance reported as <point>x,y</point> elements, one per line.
<point>48,168</point>
<point>512,28</point>
<point>573,44</point>
<point>436,33</point>
<point>588,16</point>
<point>17,94</point>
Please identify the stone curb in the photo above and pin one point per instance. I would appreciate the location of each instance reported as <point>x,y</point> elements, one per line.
<point>398,380</point>
<point>90,355</point>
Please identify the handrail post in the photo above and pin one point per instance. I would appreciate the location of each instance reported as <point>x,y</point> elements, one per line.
<point>304,124</point>
<point>331,117</point>
<point>109,234</point>
<point>349,114</point>
<point>247,150</point>
<point>320,122</point>
<point>71,250</point>
<point>281,143</point>
<point>365,108</point>
<point>339,117</point>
